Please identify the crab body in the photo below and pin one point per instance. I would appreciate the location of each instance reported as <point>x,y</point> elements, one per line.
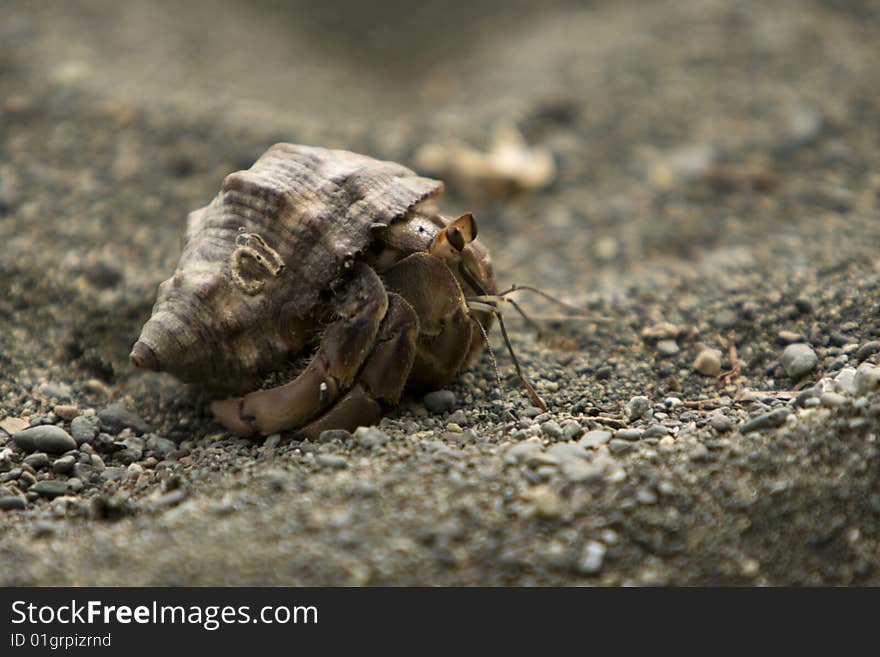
<point>327,255</point>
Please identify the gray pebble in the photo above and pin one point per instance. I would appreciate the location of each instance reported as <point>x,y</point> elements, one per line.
<point>637,407</point>
<point>83,471</point>
<point>440,401</point>
<point>84,428</point>
<point>113,474</point>
<point>656,431</point>
<point>74,485</point>
<point>594,438</point>
<point>798,360</point>
<point>768,420</point>
<point>568,451</point>
<point>64,464</point>
<point>832,399</point>
<point>370,437</point>
<point>116,417</point>
<point>868,349</point>
<point>46,438</point>
<point>335,434</point>
<point>97,462</point>
<point>618,446</point>
<point>571,429</point>
<point>591,558</point>
<point>458,417</point>
<point>628,434</point>
<point>551,429</point>
<point>334,461</point>
<point>50,488</point>
<point>12,475</point>
<point>53,390</point>
<point>162,447</point>
<point>134,450</point>
<point>531,411</point>
<point>578,470</point>
<point>37,460</point>
<point>12,502</point>
<point>720,422</point>
<point>866,379</point>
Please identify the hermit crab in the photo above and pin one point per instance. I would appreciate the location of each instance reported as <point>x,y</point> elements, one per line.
<point>334,257</point>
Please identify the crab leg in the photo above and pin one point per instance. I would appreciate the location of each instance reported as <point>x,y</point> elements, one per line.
<point>382,377</point>
<point>344,347</point>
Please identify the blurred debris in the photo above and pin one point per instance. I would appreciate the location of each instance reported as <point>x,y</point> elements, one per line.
<point>508,166</point>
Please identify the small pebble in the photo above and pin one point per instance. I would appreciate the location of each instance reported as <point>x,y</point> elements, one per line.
<point>334,461</point>
<point>37,460</point>
<point>551,429</point>
<point>50,488</point>
<point>768,420</point>
<point>12,503</point>
<point>568,451</point>
<point>64,464</point>
<point>629,434</point>
<point>832,399</point>
<point>74,485</point>
<point>51,390</point>
<point>546,501</point>
<point>458,417</point>
<point>637,407</point>
<point>789,337</point>
<point>335,434</point>
<point>160,446</point>
<point>46,438</point>
<point>708,362</point>
<point>618,446</point>
<point>578,470</point>
<point>370,437</point>
<point>798,360</point>
<point>655,431</point>
<point>594,438</point>
<point>440,401</point>
<point>867,378</point>
<point>667,348</point>
<point>867,350</point>
<point>66,411</point>
<point>720,422</point>
<point>84,428</point>
<point>591,558</point>
<point>116,417</point>
<point>571,429</point>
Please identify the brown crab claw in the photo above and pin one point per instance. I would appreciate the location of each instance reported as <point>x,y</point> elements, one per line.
<point>143,357</point>
<point>228,413</point>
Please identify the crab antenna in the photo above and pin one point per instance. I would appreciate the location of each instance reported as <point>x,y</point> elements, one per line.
<point>559,302</point>
<point>491,356</point>
<point>490,307</point>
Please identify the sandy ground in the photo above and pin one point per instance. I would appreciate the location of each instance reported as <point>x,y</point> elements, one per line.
<point>717,187</point>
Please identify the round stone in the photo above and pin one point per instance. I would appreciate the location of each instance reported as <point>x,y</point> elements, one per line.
<point>638,407</point>
<point>708,362</point>
<point>440,401</point>
<point>798,360</point>
<point>84,428</point>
